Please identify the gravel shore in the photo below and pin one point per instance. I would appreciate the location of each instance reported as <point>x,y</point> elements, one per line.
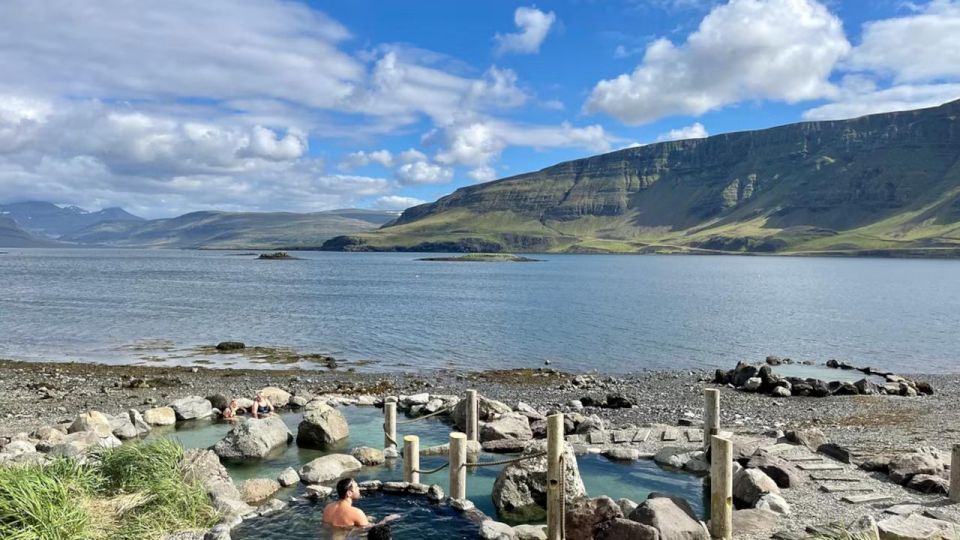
<point>37,393</point>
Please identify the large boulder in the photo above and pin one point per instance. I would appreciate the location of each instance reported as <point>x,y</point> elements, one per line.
<point>192,408</point>
<point>520,491</point>
<point>487,410</point>
<point>160,416</point>
<point>929,483</point>
<point>322,426</point>
<point>277,396</point>
<point>368,456</point>
<point>91,421</point>
<point>254,439</point>
<point>203,466</point>
<point>751,484</point>
<point>509,426</point>
<point>781,471</point>
<point>742,372</point>
<point>627,529</point>
<point>905,466</point>
<point>671,520</point>
<point>257,489</point>
<point>81,442</point>
<point>138,421</point>
<point>329,467</point>
<point>915,527</point>
<point>812,438</point>
<point>585,518</point>
<point>123,428</point>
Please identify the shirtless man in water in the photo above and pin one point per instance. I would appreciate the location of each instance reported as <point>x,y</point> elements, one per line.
<point>343,514</point>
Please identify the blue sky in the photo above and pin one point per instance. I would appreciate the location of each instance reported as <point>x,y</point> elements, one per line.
<point>261,105</point>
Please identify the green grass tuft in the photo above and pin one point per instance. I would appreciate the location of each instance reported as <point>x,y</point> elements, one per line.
<point>135,491</point>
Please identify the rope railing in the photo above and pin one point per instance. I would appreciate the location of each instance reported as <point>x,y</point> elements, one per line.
<point>433,470</point>
<point>505,461</point>
<point>424,417</point>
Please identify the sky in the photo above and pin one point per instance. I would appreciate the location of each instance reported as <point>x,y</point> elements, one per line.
<point>176,106</point>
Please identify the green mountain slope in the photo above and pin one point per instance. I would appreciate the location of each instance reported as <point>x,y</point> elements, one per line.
<point>886,183</point>
<point>234,230</point>
<point>12,236</point>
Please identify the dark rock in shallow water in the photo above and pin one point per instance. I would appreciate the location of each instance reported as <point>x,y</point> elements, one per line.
<point>818,388</point>
<point>231,346</point>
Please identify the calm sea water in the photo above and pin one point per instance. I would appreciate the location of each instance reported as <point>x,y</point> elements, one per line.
<point>612,313</point>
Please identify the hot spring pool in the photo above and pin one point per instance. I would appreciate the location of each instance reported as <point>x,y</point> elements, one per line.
<point>633,480</point>
<point>303,520</point>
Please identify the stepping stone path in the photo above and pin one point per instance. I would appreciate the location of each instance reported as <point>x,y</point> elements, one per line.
<point>670,434</point>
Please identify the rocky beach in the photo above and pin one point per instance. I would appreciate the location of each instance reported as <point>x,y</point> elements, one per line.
<point>856,435</point>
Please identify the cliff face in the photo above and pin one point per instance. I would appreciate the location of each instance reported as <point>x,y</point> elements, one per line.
<point>879,182</point>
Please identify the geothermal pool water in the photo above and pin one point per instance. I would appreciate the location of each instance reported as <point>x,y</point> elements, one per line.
<point>303,520</point>
<point>633,480</point>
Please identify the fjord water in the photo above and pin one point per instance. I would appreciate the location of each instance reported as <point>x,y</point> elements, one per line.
<point>612,313</point>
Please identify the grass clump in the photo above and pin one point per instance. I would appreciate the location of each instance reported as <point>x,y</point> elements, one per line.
<point>131,492</point>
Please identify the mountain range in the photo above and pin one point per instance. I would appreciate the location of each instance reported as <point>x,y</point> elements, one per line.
<point>42,224</point>
<point>885,184</point>
<point>234,230</point>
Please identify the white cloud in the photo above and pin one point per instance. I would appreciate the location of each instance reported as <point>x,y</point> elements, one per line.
<point>479,142</point>
<point>421,172</point>
<point>921,47</point>
<point>695,131</point>
<point>355,160</point>
<point>533,26</point>
<point>411,155</point>
<point>396,202</point>
<point>854,103</point>
<point>483,174</point>
<point>744,50</point>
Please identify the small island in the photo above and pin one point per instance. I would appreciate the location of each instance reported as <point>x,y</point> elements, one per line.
<point>482,257</point>
<point>278,256</point>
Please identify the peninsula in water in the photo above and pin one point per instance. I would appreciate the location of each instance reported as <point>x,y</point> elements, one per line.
<point>482,257</point>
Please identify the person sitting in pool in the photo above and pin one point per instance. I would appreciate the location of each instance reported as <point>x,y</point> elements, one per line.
<point>230,413</point>
<point>342,514</point>
<point>261,406</point>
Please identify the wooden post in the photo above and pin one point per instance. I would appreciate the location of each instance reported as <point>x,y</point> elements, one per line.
<point>555,473</point>
<point>473,423</point>
<point>389,424</point>
<point>711,414</point>
<point>458,468</point>
<point>721,488</point>
<point>411,459</point>
<point>955,474</point>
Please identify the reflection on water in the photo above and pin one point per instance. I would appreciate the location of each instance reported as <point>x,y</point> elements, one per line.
<point>633,480</point>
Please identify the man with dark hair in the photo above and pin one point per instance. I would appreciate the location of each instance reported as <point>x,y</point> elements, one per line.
<point>342,513</point>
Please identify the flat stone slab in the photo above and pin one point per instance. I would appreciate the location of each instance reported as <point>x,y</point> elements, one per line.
<point>641,435</point>
<point>597,437</point>
<point>670,434</point>
<point>903,509</point>
<point>574,439</point>
<point>820,467</point>
<point>620,436</point>
<point>861,499</point>
<point>831,478</point>
<point>802,459</point>
<point>694,435</point>
<point>834,488</point>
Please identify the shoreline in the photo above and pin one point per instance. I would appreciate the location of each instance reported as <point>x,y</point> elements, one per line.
<point>34,393</point>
